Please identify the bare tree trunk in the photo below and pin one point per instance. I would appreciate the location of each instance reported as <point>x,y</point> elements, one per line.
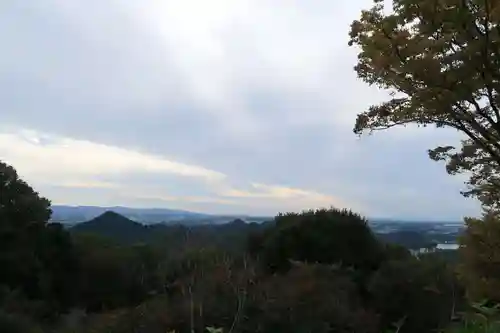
<point>191,309</point>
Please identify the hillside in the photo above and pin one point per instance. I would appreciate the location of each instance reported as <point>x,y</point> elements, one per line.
<point>231,235</point>
<point>113,226</point>
<point>118,228</point>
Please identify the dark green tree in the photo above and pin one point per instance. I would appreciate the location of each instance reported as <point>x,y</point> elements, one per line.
<point>37,260</point>
<point>327,236</point>
<point>59,278</point>
<point>23,216</point>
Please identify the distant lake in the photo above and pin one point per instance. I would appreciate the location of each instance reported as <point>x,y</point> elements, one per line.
<point>442,246</point>
<point>447,246</point>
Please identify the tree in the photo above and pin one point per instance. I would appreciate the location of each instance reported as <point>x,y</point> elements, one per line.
<point>440,60</point>
<point>327,236</point>
<point>19,203</point>
<point>422,294</point>
<point>61,266</point>
<point>23,214</point>
<point>112,275</point>
<point>37,260</point>
<point>480,258</point>
<point>309,298</point>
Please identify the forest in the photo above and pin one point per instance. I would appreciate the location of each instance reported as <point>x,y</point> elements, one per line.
<point>316,271</point>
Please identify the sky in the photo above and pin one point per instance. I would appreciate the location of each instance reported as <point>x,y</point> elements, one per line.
<point>222,106</point>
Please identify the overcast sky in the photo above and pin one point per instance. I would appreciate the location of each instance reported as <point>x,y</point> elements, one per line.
<point>221,106</point>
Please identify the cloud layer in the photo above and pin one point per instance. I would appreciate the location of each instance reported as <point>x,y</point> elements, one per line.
<point>64,166</point>
<point>224,106</point>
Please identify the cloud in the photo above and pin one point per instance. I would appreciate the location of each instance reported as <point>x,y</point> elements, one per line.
<point>286,198</point>
<point>65,163</point>
<point>262,191</point>
<point>88,184</point>
<point>59,156</point>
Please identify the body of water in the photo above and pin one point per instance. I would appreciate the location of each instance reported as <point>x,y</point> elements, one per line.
<point>447,246</point>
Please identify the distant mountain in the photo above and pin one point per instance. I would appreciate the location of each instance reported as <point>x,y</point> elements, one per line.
<point>114,226</point>
<point>233,235</point>
<point>118,228</point>
<point>145,215</point>
<point>76,214</point>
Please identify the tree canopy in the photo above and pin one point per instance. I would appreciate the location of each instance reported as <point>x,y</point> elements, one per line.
<point>22,214</point>
<point>320,270</point>
<point>327,236</point>
<point>440,60</point>
<point>36,258</point>
<point>19,203</point>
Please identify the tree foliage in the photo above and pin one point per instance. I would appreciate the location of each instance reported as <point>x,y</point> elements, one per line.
<point>440,59</point>
<point>480,258</point>
<point>323,299</point>
<point>327,236</point>
<point>19,203</point>
<point>36,258</point>
<point>422,294</point>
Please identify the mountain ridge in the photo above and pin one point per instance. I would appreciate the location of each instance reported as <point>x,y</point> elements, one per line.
<point>118,228</point>
<point>76,214</point>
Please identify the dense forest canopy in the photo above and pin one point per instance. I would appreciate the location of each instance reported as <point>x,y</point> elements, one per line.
<point>320,270</point>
